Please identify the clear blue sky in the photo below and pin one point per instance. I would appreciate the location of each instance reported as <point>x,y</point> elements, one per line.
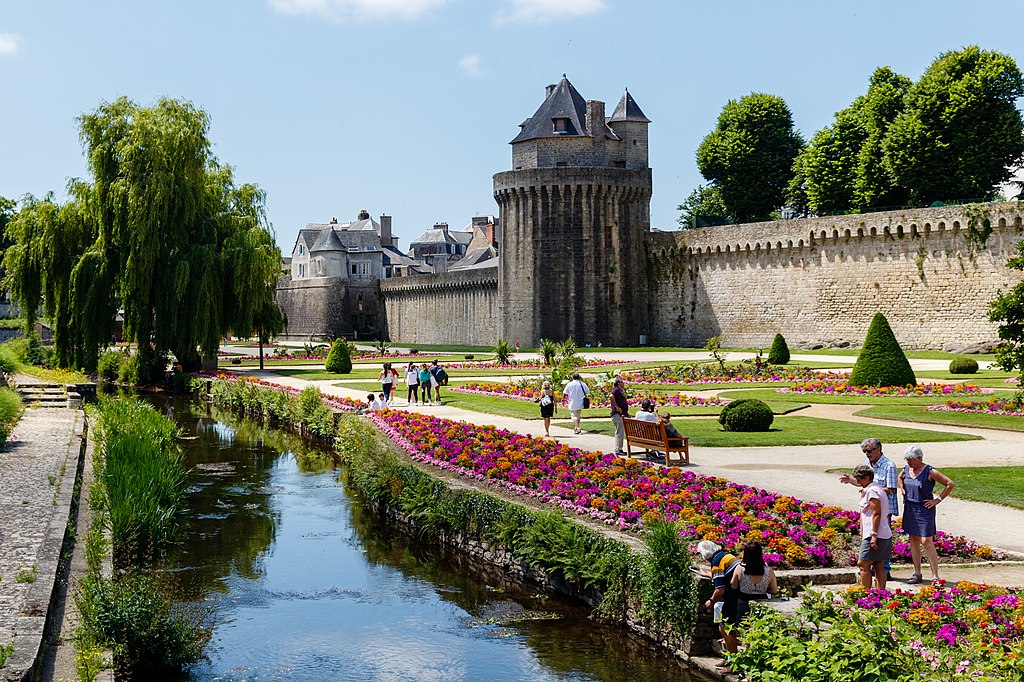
<point>407,106</point>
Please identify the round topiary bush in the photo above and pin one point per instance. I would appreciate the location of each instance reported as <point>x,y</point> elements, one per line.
<point>470,356</point>
<point>338,360</point>
<point>963,365</point>
<point>779,353</point>
<point>881,361</point>
<point>746,415</point>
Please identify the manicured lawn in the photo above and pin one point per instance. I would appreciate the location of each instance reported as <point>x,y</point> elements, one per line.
<point>997,485</point>
<point>320,374</point>
<point>986,378</point>
<point>912,354</point>
<point>771,394</point>
<point>792,430</point>
<point>919,414</point>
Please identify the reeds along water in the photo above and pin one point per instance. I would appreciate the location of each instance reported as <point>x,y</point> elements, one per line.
<point>142,474</point>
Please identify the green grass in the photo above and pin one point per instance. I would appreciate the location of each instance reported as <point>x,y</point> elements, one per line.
<point>771,394</point>
<point>919,414</point>
<point>997,485</point>
<point>790,431</point>
<point>911,354</point>
<point>986,378</point>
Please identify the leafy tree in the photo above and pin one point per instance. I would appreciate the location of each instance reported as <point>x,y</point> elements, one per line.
<point>881,361</point>
<point>703,207</point>
<point>1008,309</point>
<point>338,360</point>
<point>749,156</point>
<point>7,213</point>
<point>961,131</point>
<point>779,352</point>
<point>161,231</point>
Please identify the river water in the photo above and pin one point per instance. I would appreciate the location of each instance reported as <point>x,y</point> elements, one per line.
<point>305,583</point>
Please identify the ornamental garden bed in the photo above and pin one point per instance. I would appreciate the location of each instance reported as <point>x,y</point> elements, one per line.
<point>842,388</point>
<point>600,397</point>
<point>848,398</point>
<point>712,373</point>
<point>997,406</point>
<point>921,414</point>
<point>629,494</point>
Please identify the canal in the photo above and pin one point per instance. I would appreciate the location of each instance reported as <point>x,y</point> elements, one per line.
<point>304,582</point>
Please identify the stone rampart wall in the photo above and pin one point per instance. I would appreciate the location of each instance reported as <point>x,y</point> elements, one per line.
<point>458,307</point>
<point>931,271</point>
<point>329,307</point>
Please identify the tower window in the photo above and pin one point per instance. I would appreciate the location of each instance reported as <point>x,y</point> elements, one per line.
<point>560,125</point>
<point>608,236</point>
<point>611,293</point>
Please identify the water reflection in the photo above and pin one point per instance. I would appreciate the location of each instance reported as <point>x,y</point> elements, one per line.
<point>310,585</point>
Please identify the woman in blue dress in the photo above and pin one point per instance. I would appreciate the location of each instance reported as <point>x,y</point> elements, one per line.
<point>917,482</point>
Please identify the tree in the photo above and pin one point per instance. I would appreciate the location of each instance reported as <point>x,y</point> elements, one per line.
<point>7,214</point>
<point>1008,309</point>
<point>779,352</point>
<point>961,132</point>
<point>881,361</point>
<point>703,207</point>
<point>161,231</point>
<point>749,156</point>
<point>339,361</point>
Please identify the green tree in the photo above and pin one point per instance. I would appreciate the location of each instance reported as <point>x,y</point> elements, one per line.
<point>881,361</point>
<point>703,207</point>
<point>779,352</point>
<point>7,214</point>
<point>749,155</point>
<point>961,131</point>
<point>338,360</point>
<point>161,231</point>
<point>1008,310</point>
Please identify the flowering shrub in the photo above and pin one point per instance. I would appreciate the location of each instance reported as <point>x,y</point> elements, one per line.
<point>844,388</point>
<point>600,396</point>
<point>1011,407</point>
<point>711,373</point>
<point>630,494</point>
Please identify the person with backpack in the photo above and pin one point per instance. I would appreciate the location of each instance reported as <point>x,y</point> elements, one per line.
<point>426,382</point>
<point>576,399</point>
<point>440,377</point>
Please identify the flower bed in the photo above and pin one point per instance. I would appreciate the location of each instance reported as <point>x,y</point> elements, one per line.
<point>964,626</point>
<point>999,406</point>
<point>629,493</point>
<point>745,372</point>
<point>917,390</point>
<point>341,403</point>
<point>599,398</point>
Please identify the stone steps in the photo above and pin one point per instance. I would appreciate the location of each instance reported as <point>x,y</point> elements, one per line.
<point>42,394</point>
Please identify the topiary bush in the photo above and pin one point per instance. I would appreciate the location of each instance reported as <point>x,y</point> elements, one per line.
<point>881,361</point>
<point>779,353</point>
<point>963,365</point>
<point>338,360</point>
<point>746,415</point>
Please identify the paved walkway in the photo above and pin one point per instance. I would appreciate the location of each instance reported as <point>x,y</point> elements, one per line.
<point>800,471</point>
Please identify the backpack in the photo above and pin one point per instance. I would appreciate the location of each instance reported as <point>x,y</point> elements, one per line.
<point>441,376</point>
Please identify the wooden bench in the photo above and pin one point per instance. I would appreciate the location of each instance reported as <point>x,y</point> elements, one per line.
<point>652,436</point>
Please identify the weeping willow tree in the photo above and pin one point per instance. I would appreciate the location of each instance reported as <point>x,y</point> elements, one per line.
<point>160,231</point>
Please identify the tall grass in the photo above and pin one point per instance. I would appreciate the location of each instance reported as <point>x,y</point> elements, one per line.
<point>10,412</point>
<point>141,475</point>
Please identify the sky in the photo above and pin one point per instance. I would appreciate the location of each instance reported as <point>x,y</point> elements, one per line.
<point>406,107</point>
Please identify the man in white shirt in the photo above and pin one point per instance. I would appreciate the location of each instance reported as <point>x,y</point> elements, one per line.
<point>646,413</point>
<point>575,392</point>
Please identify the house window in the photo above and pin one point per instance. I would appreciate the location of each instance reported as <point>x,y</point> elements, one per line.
<point>319,266</point>
<point>561,125</point>
<point>611,293</point>
<point>360,268</point>
<point>302,270</point>
<point>608,236</point>
<point>301,250</point>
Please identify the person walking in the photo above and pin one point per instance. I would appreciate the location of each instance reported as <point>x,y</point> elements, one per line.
<point>886,475</point>
<point>917,483</point>
<point>619,409</point>
<point>440,378</point>
<point>387,380</point>
<point>576,392</point>
<point>547,406</point>
<point>425,381</point>
<point>875,532</point>
<point>412,382</point>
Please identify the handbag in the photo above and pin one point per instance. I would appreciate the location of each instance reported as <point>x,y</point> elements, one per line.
<point>545,401</point>
<point>586,403</point>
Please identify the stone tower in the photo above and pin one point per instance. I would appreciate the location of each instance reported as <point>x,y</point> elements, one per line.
<point>574,213</point>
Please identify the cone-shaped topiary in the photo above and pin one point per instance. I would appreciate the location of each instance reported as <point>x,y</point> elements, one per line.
<point>338,360</point>
<point>779,353</point>
<point>881,361</point>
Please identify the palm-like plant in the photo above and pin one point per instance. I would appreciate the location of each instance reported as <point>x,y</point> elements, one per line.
<point>548,351</point>
<point>503,352</point>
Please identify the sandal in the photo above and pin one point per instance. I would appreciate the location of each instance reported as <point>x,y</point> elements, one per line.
<point>915,579</point>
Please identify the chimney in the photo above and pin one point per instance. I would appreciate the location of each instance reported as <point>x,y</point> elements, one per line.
<point>595,117</point>
<point>489,231</point>
<point>441,226</point>
<point>334,221</point>
<point>385,230</point>
<point>549,90</point>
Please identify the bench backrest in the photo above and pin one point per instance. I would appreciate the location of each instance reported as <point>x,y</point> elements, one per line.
<point>636,428</point>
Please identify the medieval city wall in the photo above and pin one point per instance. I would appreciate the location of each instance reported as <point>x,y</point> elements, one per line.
<point>931,271</point>
<point>329,307</point>
<point>458,307</point>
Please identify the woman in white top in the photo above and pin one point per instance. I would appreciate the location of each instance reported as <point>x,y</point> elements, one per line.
<point>412,381</point>
<point>387,381</point>
<point>876,542</point>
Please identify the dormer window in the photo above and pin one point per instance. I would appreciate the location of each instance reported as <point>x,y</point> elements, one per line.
<point>560,124</point>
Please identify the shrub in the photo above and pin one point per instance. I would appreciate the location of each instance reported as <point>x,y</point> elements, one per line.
<point>548,351</point>
<point>503,352</point>
<point>339,361</point>
<point>746,415</point>
<point>236,361</point>
<point>962,365</point>
<point>109,365</point>
<point>414,351</point>
<point>132,615</point>
<point>881,361</point>
<point>142,371</point>
<point>10,412</point>
<point>779,353</point>
<point>469,356</point>
<point>8,359</point>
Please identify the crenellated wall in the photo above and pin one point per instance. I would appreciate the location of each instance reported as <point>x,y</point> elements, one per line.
<point>931,271</point>
<point>459,307</point>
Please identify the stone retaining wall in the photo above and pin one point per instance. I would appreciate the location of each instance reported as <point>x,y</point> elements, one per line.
<point>459,307</point>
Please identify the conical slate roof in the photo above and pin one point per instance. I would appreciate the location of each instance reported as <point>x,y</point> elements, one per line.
<point>628,110</point>
<point>328,241</point>
<point>564,102</point>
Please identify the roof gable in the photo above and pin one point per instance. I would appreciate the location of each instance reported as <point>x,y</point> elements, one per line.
<point>563,102</point>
